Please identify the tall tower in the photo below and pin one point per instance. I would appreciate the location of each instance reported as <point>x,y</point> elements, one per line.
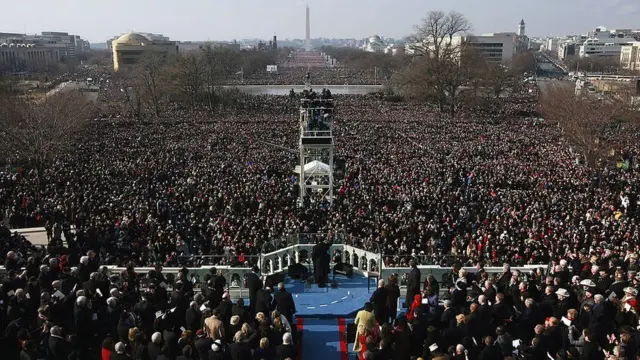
<point>521,28</point>
<point>307,43</point>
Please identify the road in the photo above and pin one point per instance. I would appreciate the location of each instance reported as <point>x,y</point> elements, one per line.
<point>546,67</point>
<point>547,84</point>
<point>73,85</point>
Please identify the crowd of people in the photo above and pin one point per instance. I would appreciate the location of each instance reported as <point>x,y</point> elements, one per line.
<point>321,75</point>
<point>195,187</point>
<point>481,186</point>
<point>581,309</point>
<point>53,311</point>
<point>325,72</point>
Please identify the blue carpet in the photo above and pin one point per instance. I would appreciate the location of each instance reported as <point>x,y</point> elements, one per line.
<point>320,340</point>
<point>329,303</point>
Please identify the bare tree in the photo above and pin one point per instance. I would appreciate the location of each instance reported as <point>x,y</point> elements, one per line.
<point>591,64</point>
<point>436,31</point>
<point>588,124</point>
<point>37,132</point>
<point>499,78</point>
<point>523,62</point>
<point>133,88</point>
<point>211,74</point>
<point>151,72</point>
<point>188,76</point>
<point>440,59</point>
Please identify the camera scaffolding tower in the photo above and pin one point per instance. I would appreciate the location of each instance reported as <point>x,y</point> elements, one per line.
<point>316,148</point>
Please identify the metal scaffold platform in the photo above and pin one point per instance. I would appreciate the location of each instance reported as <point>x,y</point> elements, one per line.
<point>316,147</point>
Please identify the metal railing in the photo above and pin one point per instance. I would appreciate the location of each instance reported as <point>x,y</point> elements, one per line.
<point>364,255</point>
<point>435,259</point>
<point>313,238</point>
<point>234,260</point>
<point>316,133</point>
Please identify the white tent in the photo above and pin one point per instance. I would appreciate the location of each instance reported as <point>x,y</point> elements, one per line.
<point>314,168</point>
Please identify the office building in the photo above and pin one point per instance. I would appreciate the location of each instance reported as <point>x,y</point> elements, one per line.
<point>551,45</point>
<point>67,45</point>
<point>605,43</point>
<point>22,57</point>
<point>566,48</point>
<point>630,56</point>
<point>495,47</point>
<point>130,48</point>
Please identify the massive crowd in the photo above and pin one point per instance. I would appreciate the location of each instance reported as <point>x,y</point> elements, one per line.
<point>574,310</point>
<point>56,312</point>
<point>492,185</point>
<point>325,72</point>
<point>483,186</point>
<point>287,75</point>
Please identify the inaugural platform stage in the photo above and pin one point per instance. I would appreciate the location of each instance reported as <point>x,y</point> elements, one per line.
<point>343,301</point>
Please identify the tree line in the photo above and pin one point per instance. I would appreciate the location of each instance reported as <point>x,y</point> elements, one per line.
<point>438,68</point>
<point>441,64</point>
<point>194,78</point>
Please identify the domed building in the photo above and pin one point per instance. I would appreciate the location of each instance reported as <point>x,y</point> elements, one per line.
<point>129,48</point>
<point>374,44</point>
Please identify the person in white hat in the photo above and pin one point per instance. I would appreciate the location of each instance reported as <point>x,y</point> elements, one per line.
<point>587,283</point>
<point>629,293</point>
<point>562,306</point>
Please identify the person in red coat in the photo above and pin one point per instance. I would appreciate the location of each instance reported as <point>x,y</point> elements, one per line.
<point>107,348</point>
<point>417,302</point>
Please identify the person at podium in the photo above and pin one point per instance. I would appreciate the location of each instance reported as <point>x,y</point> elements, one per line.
<point>321,260</point>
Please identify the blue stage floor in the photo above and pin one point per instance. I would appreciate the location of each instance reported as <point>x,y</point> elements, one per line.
<point>343,301</point>
<point>324,313</point>
<point>321,340</point>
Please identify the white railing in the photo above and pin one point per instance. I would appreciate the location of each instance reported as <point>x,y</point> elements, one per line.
<point>364,262</point>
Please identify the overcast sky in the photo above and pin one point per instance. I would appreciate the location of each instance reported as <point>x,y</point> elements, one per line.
<point>237,19</point>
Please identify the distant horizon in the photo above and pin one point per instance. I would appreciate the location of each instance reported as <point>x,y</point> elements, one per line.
<point>313,38</point>
<point>190,20</point>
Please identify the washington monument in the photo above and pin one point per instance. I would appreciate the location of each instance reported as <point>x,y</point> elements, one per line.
<point>307,42</point>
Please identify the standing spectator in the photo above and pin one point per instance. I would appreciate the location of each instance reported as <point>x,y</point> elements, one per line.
<point>413,283</point>
<point>379,301</point>
<point>284,303</point>
<point>286,350</point>
<point>365,317</point>
<point>107,348</point>
<point>214,327</point>
<point>254,284</point>
<point>393,294</point>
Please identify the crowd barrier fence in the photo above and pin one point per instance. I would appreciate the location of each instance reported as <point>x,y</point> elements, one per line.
<point>365,257</point>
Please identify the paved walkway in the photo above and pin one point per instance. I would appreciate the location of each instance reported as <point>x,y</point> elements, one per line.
<point>37,236</point>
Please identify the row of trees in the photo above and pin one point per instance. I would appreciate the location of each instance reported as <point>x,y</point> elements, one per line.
<point>594,64</point>
<point>441,64</point>
<point>34,131</point>
<point>386,64</point>
<point>592,126</point>
<point>193,78</point>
